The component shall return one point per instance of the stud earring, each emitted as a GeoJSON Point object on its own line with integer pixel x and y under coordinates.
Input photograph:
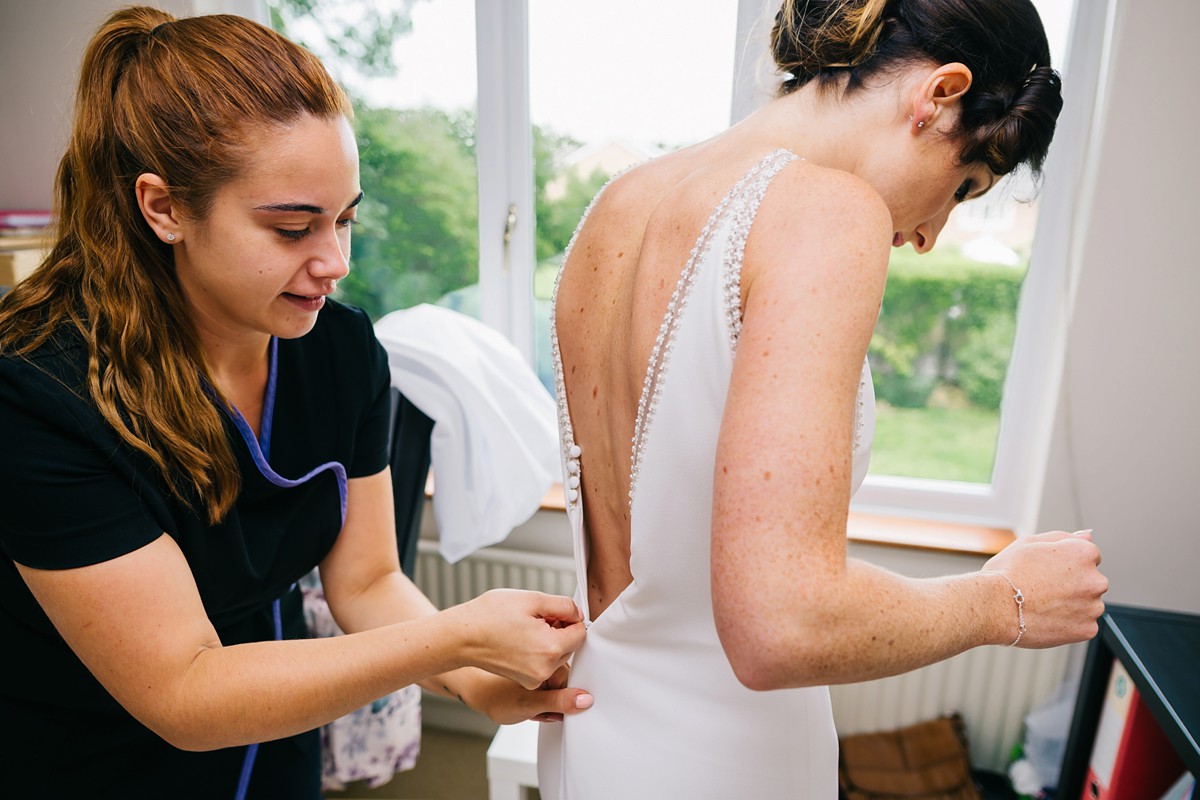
{"type": "Point", "coordinates": [170, 237]}
{"type": "Point", "coordinates": [921, 123]}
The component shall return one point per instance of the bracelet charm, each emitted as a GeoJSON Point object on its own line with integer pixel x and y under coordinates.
{"type": "Point", "coordinates": [1019, 597]}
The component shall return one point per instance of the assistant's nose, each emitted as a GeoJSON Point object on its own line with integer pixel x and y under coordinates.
{"type": "Point", "coordinates": [331, 260]}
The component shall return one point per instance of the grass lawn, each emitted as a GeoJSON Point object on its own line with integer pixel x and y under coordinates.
{"type": "Point", "coordinates": [955, 444]}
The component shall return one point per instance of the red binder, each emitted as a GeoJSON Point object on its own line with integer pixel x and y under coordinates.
{"type": "Point", "coordinates": [1131, 758]}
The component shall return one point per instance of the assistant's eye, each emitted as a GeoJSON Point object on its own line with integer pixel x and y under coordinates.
{"type": "Point", "coordinates": [964, 191]}
{"type": "Point", "coordinates": [292, 235]}
{"type": "Point", "coordinates": [348, 222]}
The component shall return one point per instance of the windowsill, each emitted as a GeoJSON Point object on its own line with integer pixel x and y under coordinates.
{"type": "Point", "coordinates": [877, 529]}
{"type": "Point", "coordinates": [918, 534]}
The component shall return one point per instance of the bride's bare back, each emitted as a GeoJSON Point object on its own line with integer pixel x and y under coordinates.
{"type": "Point", "coordinates": [612, 295]}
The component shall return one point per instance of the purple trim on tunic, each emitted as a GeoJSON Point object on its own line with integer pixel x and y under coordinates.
{"type": "Point", "coordinates": [259, 452]}
{"type": "Point", "coordinates": [268, 415]}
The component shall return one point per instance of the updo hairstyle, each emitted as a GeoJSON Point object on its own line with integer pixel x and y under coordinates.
{"type": "Point", "coordinates": [1009, 112]}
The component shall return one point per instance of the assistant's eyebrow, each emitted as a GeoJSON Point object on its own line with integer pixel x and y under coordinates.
{"type": "Point", "coordinates": [304, 208]}
{"type": "Point", "coordinates": [300, 207]}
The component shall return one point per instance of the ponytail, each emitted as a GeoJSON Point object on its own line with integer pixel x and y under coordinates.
{"type": "Point", "coordinates": [182, 99]}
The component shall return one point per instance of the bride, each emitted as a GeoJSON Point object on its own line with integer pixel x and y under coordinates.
{"type": "Point", "coordinates": [712, 318]}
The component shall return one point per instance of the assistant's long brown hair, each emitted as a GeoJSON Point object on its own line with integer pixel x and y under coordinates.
{"type": "Point", "coordinates": [184, 99]}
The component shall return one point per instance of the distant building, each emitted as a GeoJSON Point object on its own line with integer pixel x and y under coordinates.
{"type": "Point", "coordinates": [998, 227]}
{"type": "Point", "coordinates": [609, 157]}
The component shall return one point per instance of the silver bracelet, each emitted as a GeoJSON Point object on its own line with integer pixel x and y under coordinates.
{"type": "Point", "coordinates": [1020, 598]}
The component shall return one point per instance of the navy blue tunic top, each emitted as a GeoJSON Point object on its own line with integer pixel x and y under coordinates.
{"type": "Point", "coordinates": [72, 494]}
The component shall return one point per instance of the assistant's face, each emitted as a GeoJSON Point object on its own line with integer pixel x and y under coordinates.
{"type": "Point", "coordinates": [278, 237]}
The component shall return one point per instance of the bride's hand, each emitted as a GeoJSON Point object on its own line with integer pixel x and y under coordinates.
{"type": "Point", "coordinates": [1059, 576]}
{"type": "Point", "coordinates": [524, 636]}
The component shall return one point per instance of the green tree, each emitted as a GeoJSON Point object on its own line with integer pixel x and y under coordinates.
{"type": "Point", "coordinates": [549, 148]}
{"type": "Point", "coordinates": [354, 38]}
{"type": "Point", "coordinates": [418, 239]}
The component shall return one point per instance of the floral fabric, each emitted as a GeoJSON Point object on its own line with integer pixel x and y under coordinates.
{"type": "Point", "coordinates": [374, 742]}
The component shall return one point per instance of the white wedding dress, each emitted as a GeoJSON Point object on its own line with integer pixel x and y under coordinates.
{"type": "Point", "coordinates": [670, 718]}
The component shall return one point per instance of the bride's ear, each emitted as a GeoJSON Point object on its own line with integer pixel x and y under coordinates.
{"type": "Point", "coordinates": [937, 93]}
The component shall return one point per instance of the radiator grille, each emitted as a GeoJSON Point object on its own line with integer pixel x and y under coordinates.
{"type": "Point", "coordinates": [992, 687]}
{"type": "Point", "coordinates": [490, 568]}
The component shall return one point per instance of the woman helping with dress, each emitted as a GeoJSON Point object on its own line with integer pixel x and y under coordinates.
{"type": "Point", "coordinates": [712, 318]}
{"type": "Point", "coordinates": [192, 424]}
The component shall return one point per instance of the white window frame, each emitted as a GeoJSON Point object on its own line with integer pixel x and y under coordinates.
{"type": "Point", "coordinates": [504, 150]}
{"type": "Point", "coordinates": [1031, 387]}
{"type": "Point", "coordinates": [1011, 500]}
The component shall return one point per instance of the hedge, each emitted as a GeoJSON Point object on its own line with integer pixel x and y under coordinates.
{"type": "Point", "coordinates": [945, 319]}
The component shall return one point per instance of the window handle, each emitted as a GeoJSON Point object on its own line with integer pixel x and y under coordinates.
{"type": "Point", "coordinates": [510, 223]}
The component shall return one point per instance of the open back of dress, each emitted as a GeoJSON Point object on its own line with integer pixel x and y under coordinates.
{"type": "Point", "coordinates": [670, 717]}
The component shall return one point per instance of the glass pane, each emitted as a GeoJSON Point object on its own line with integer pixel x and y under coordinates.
{"type": "Point", "coordinates": [607, 90]}
{"type": "Point", "coordinates": [941, 350]}
{"type": "Point", "coordinates": [409, 66]}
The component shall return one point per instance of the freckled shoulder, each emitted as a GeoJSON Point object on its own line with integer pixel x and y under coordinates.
{"type": "Point", "coordinates": [820, 221]}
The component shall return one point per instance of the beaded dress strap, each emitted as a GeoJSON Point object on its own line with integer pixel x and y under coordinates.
{"type": "Point", "coordinates": [741, 204]}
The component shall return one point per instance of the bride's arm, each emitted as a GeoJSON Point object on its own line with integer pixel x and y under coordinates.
{"type": "Point", "coordinates": [791, 608]}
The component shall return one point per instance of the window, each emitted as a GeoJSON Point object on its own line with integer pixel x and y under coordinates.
{"type": "Point", "coordinates": [965, 356]}
{"type": "Point", "coordinates": [486, 127]}
{"type": "Point", "coordinates": [414, 99]}
{"type": "Point", "coordinates": [496, 121]}
{"type": "Point", "coordinates": [609, 90]}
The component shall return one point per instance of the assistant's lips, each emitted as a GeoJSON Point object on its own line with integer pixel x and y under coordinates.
{"type": "Point", "coordinates": [307, 302]}
{"type": "Point", "coordinates": [898, 240]}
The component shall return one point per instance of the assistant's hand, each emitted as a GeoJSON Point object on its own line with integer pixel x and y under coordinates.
{"type": "Point", "coordinates": [505, 702]}
{"type": "Point", "coordinates": [1058, 574]}
{"type": "Point", "coordinates": [524, 636]}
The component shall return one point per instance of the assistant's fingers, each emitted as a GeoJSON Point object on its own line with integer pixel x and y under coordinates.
{"type": "Point", "coordinates": [555, 703]}
{"type": "Point", "coordinates": [571, 637]}
{"type": "Point", "coordinates": [555, 608]}
{"type": "Point", "coordinates": [559, 679]}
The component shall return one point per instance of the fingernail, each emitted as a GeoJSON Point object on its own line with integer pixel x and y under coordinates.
{"type": "Point", "coordinates": [1077, 533]}
{"type": "Point", "coordinates": [584, 700]}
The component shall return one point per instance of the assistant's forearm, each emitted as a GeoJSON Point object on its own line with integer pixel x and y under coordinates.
{"type": "Point", "coordinates": [393, 598]}
{"type": "Point", "coordinates": [267, 690]}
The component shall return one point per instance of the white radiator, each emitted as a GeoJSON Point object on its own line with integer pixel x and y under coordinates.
{"type": "Point", "coordinates": [993, 688]}
{"type": "Point", "coordinates": [490, 568]}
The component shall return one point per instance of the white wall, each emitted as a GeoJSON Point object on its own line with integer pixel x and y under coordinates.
{"type": "Point", "coordinates": [41, 44]}
{"type": "Point", "coordinates": [1124, 456]}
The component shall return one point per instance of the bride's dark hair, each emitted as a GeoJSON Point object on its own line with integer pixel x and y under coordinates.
{"type": "Point", "coordinates": [1008, 114]}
